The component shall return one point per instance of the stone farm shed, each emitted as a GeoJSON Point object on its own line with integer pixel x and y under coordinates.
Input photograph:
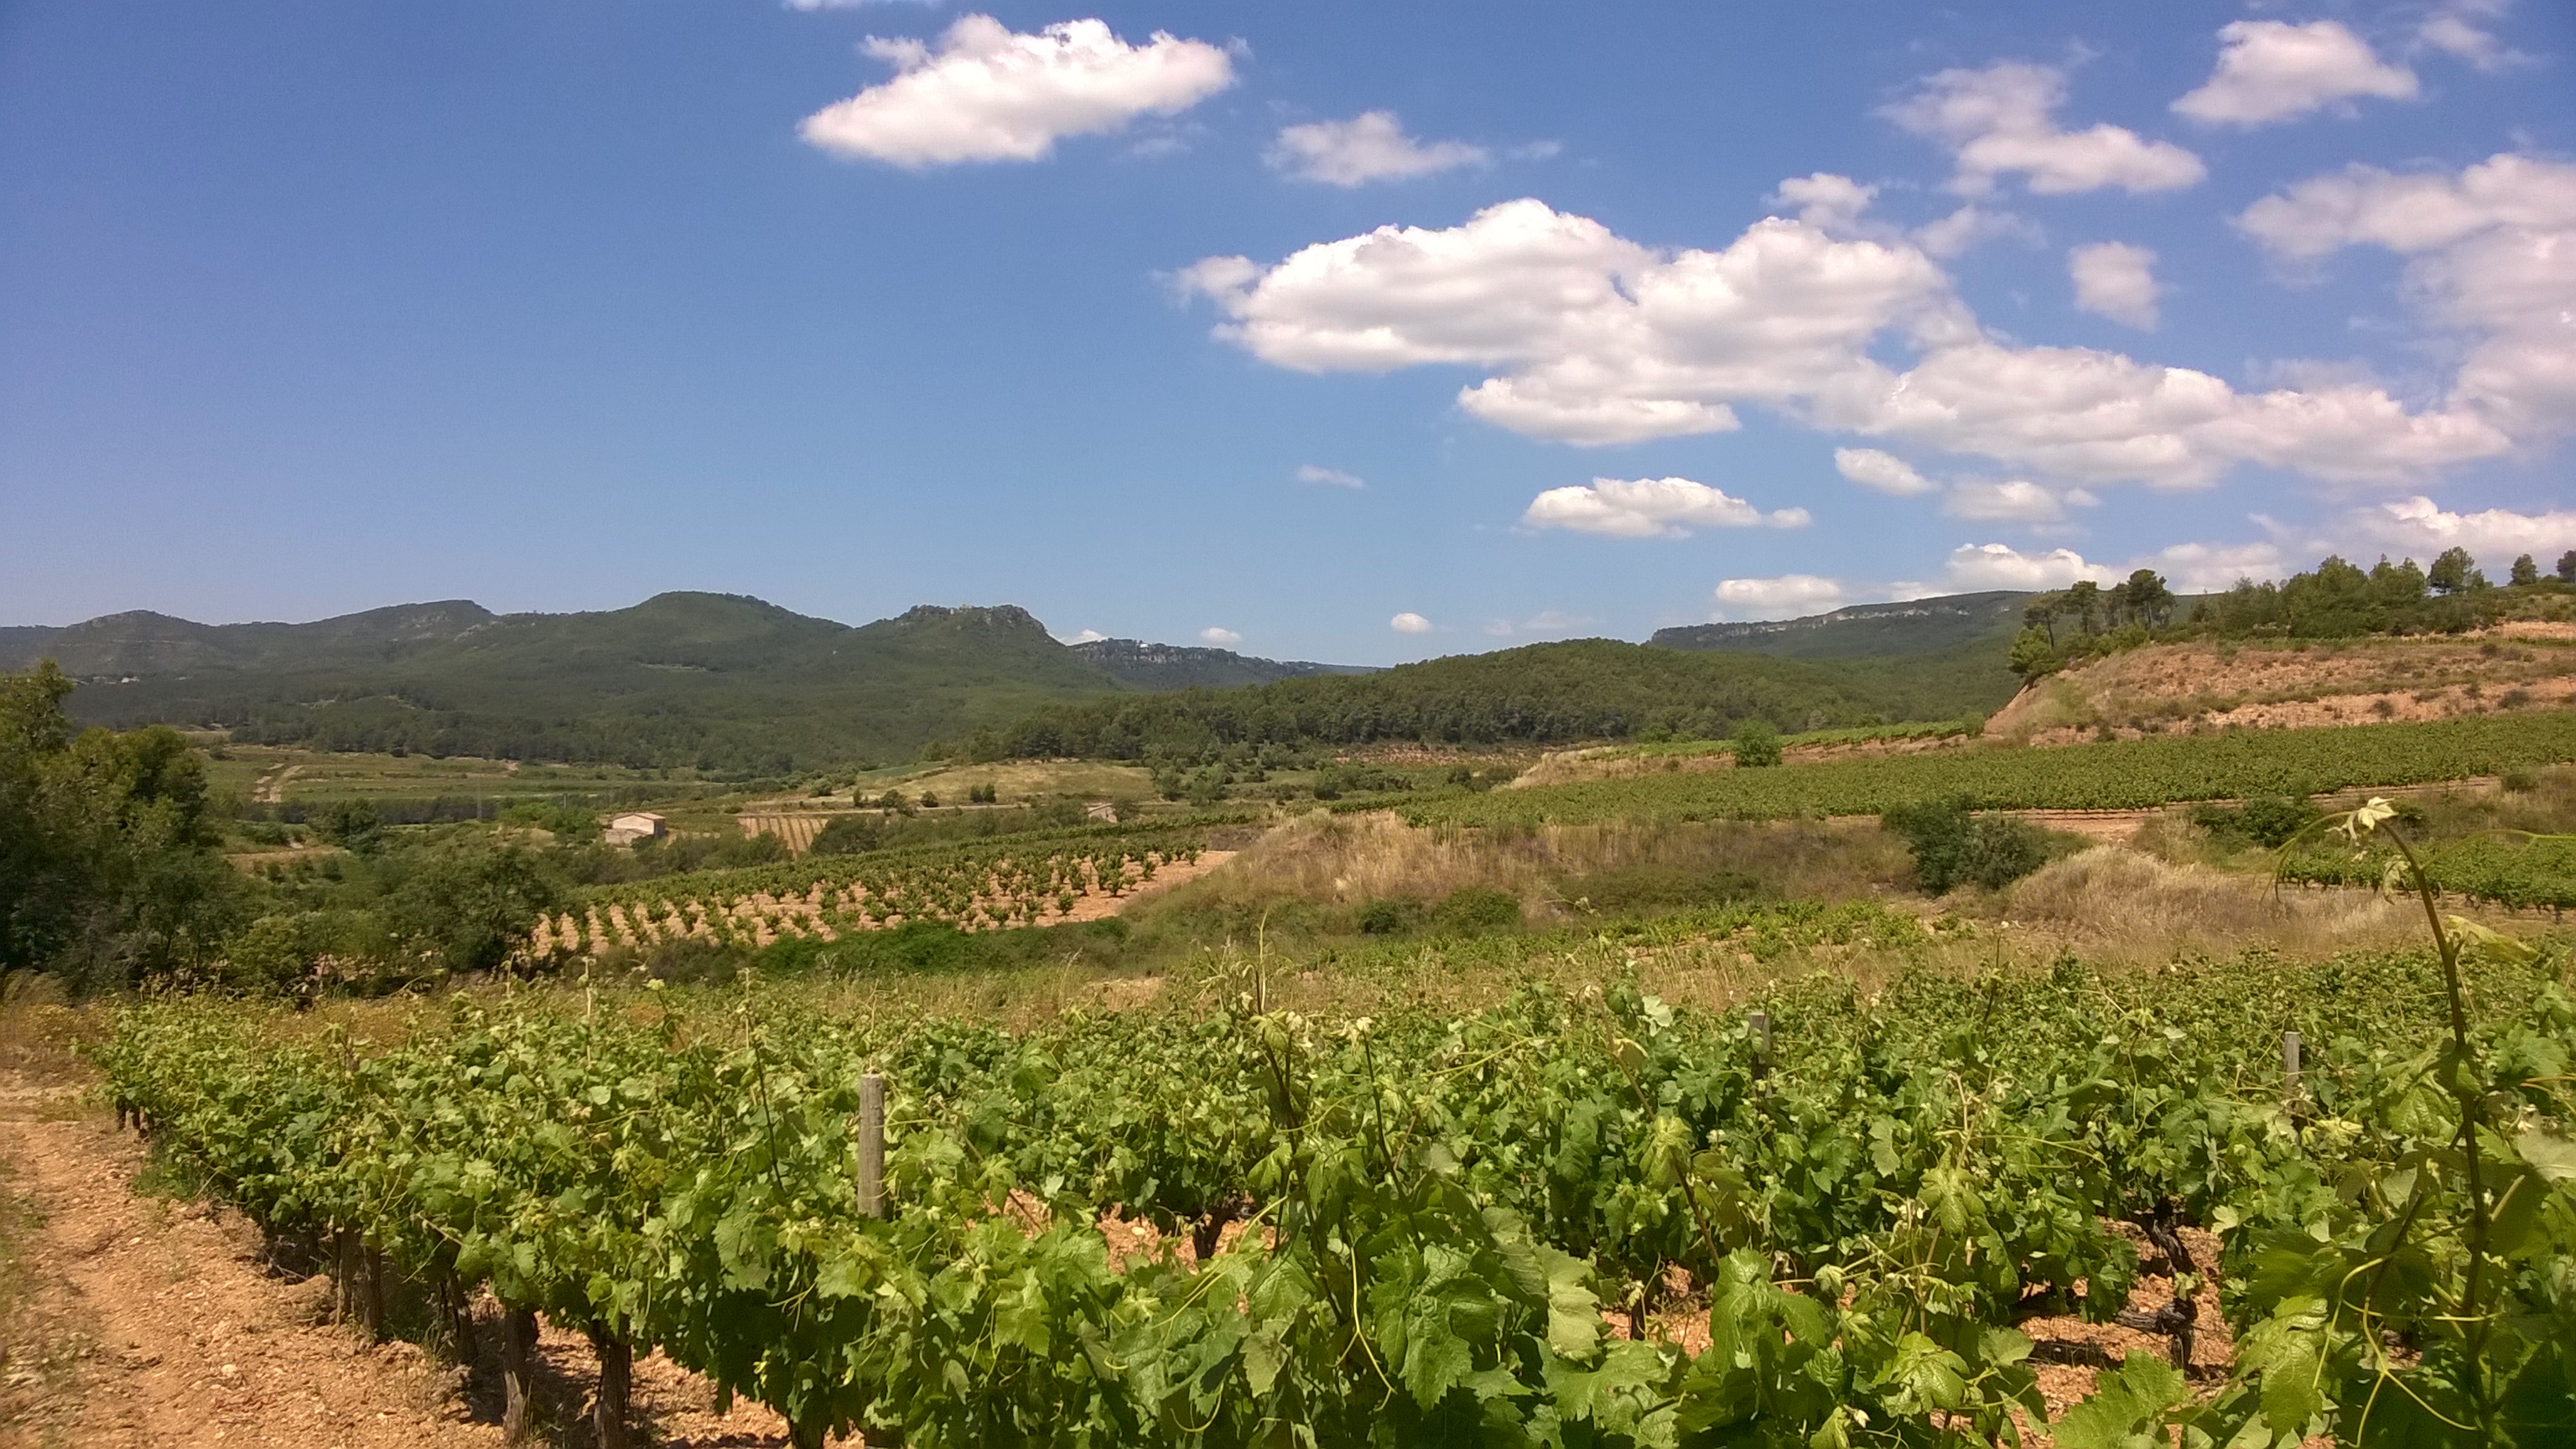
{"type": "Point", "coordinates": [632, 826]}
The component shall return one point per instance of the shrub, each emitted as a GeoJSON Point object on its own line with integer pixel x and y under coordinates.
{"type": "Point", "coordinates": [1955, 846]}
{"type": "Point", "coordinates": [1757, 745]}
{"type": "Point", "coordinates": [2520, 782]}
{"type": "Point", "coordinates": [354, 824]}
{"type": "Point", "coordinates": [1389, 916]}
{"type": "Point", "coordinates": [2266, 820]}
{"type": "Point", "coordinates": [1477, 908]}
{"type": "Point", "coordinates": [849, 835]}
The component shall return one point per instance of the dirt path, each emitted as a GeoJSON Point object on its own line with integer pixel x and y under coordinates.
{"type": "Point", "coordinates": [137, 1322]}
{"type": "Point", "coordinates": [271, 790]}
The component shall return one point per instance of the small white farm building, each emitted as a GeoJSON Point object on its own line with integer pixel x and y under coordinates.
{"type": "Point", "coordinates": [632, 826]}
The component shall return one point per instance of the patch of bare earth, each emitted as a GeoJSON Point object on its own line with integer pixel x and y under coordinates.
{"type": "Point", "coordinates": [2195, 688]}
{"type": "Point", "coordinates": [143, 1323]}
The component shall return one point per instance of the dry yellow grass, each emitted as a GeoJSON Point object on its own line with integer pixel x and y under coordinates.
{"type": "Point", "coordinates": [2121, 907]}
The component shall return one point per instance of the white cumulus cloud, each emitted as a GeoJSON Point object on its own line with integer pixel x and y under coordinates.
{"type": "Point", "coordinates": [1825, 201]}
{"type": "Point", "coordinates": [2492, 256]}
{"type": "Point", "coordinates": [2002, 121]}
{"type": "Point", "coordinates": [1886, 472]}
{"type": "Point", "coordinates": [1409, 622]}
{"type": "Point", "coordinates": [1586, 337]}
{"type": "Point", "coordinates": [2016, 501]}
{"type": "Point", "coordinates": [1087, 636]}
{"type": "Point", "coordinates": [1977, 567]}
{"type": "Point", "coordinates": [1368, 147]}
{"type": "Point", "coordinates": [2270, 70]}
{"type": "Point", "coordinates": [1219, 636]}
{"type": "Point", "coordinates": [1650, 508]}
{"type": "Point", "coordinates": [1329, 477]}
{"type": "Point", "coordinates": [987, 93]}
{"type": "Point", "coordinates": [2421, 528]}
{"type": "Point", "coordinates": [1787, 596]}
{"type": "Point", "coordinates": [2115, 280]}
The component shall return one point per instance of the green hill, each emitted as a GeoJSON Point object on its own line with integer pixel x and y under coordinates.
{"type": "Point", "coordinates": [1938, 658]}
{"type": "Point", "coordinates": [1912, 628]}
{"type": "Point", "coordinates": [711, 681]}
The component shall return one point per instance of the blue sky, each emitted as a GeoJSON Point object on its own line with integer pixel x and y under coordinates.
{"type": "Point", "coordinates": [307, 308]}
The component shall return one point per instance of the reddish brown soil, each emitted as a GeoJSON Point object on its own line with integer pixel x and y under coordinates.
{"type": "Point", "coordinates": [144, 1323]}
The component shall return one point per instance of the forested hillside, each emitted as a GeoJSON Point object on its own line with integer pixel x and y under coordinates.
{"type": "Point", "coordinates": [1582, 689]}
{"type": "Point", "coordinates": [1140, 665]}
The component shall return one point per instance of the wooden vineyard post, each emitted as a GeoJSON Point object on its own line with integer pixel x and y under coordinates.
{"type": "Point", "coordinates": [871, 1142]}
{"type": "Point", "coordinates": [2290, 1071]}
{"type": "Point", "coordinates": [1761, 1024]}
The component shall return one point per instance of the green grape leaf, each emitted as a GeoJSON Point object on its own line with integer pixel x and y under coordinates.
{"type": "Point", "coordinates": [2127, 1409]}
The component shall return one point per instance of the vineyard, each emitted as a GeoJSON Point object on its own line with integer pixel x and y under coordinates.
{"type": "Point", "coordinates": [2494, 868]}
{"type": "Point", "coordinates": [1022, 883]}
{"type": "Point", "coordinates": [2125, 774]}
{"type": "Point", "coordinates": [1488, 1228]}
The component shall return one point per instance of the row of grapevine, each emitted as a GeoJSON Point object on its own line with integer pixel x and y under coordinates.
{"type": "Point", "coordinates": [973, 888]}
{"type": "Point", "coordinates": [2125, 774]}
{"type": "Point", "coordinates": [1442, 1209]}
{"type": "Point", "coordinates": [2497, 869]}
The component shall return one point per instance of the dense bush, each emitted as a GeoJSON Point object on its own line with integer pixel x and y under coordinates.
{"type": "Point", "coordinates": [1956, 846]}
{"type": "Point", "coordinates": [1477, 908]}
{"type": "Point", "coordinates": [1757, 746]}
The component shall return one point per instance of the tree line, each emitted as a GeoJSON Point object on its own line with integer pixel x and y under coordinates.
{"type": "Point", "coordinates": [1540, 694]}
{"type": "Point", "coordinates": [2337, 599]}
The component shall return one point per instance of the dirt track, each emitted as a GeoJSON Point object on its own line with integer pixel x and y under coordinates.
{"type": "Point", "coordinates": [144, 1323]}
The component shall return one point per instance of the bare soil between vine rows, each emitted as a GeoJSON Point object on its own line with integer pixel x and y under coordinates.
{"type": "Point", "coordinates": [145, 1323]}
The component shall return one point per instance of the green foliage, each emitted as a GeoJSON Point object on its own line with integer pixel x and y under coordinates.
{"type": "Point", "coordinates": [1757, 746]}
{"type": "Point", "coordinates": [1470, 909]}
{"type": "Point", "coordinates": [1387, 916]}
{"type": "Point", "coordinates": [1446, 1203]}
{"type": "Point", "coordinates": [2525, 571]}
{"type": "Point", "coordinates": [355, 825]}
{"type": "Point", "coordinates": [107, 871]}
{"type": "Point", "coordinates": [2034, 656]}
{"type": "Point", "coordinates": [467, 904]}
{"type": "Point", "coordinates": [2340, 600]}
{"type": "Point", "coordinates": [1956, 846]}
